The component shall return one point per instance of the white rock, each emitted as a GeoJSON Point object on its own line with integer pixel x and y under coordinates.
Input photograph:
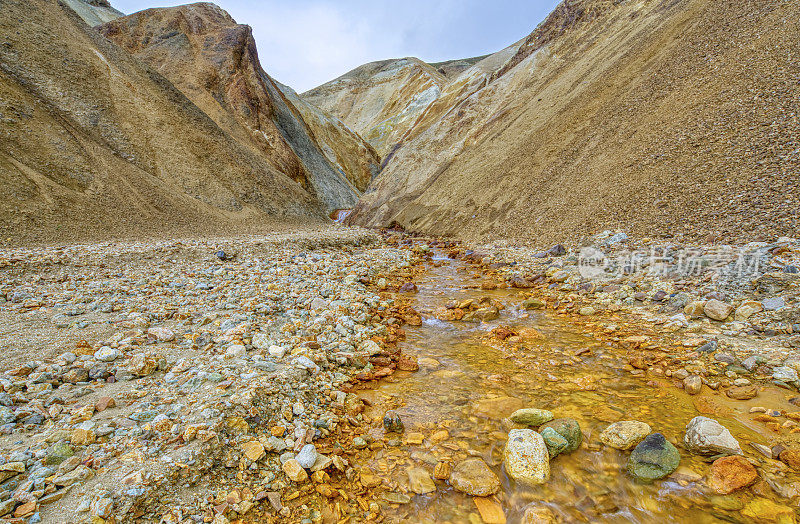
{"type": "Point", "coordinates": [526, 458]}
{"type": "Point", "coordinates": [261, 341]}
{"type": "Point", "coordinates": [277, 351]}
{"type": "Point", "coordinates": [106, 354]}
{"type": "Point", "coordinates": [708, 437]}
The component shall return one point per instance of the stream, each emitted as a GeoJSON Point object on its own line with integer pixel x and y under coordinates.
{"type": "Point", "coordinates": [468, 383]}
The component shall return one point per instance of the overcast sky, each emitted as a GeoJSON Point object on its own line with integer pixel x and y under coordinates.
{"type": "Point", "coordinates": [304, 43]}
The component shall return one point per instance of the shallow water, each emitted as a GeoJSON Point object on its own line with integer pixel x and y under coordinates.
{"type": "Point", "coordinates": [460, 366]}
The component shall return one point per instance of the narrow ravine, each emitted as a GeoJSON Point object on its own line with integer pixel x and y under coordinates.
{"type": "Point", "coordinates": [469, 381]}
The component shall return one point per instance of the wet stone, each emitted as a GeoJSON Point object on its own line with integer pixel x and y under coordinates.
{"type": "Point", "coordinates": [567, 428]}
{"type": "Point", "coordinates": [653, 458]}
{"type": "Point", "coordinates": [473, 477]}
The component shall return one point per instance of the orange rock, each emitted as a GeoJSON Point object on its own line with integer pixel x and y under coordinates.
{"type": "Point", "coordinates": [103, 403]}
{"type": "Point", "coordinates": [791, 457]}
{"type": "Point", "coordinates": [729, 474]}
{"type": "Point", "coordinates": [491, 512]}
{"type": "Point", "coordinates": [407, 363]}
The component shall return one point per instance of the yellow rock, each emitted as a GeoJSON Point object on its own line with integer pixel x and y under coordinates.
{"type": "Point", "coordinates": [253, 450]}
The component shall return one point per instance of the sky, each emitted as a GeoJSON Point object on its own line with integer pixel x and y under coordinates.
{"type": "Point", "coordinates": [305, 43]}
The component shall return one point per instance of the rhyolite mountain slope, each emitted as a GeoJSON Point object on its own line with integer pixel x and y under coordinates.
{"type": "Point", "coordinates": [94, 12]}
{"type": "Point", "coordinates": [667, 118]}
{"type": "Point", "coordinates": [213, 61]}
{"type": "Point", "coordinates": [95, 145]}
{"type": "Point", "coordinates": [380, 100]}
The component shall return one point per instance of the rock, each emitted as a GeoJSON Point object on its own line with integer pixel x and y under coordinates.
{"type": "Point", "coordinates": [407, 363]}
{"type": "Point", "coordinates": [717, 310]}
{"type": "Point", "coordinates": [790, 457]}
{"type": "Point", "coordinates": [102, 507]}
{"type": "Point", "coordinates": [392, 422]}
{"type": "Point", "coordinates": [539, 515]}
{"type": "Point", "coordinates": [555, 443]}
{"type": "Point", "coordinates": [731, 473]}
{"type": "Point", "coordinates": [747, 310]}
{"type": "Point", "coordinates": [162, 334]}
{"type": "Point", "coordinates": [773, 303]}
{"type": "Point", "coordinates": [586, 311]}
{"type": "Point", "coordinates": [294, 471]}
{"type": "Point", "coordinates": [106, 354]}
{"type": "Point", "coordinates": [69, 478]}
{"type": "Point", "coordinates": [82, 437]}
{"type": "Point", "coordinates": [142, 365]}
{"type": "Point", "coordinates": [653, 458]}
{"type": "Point", "coordinates": [525, 457]}
{"type": "Point", "coordinates": [307, 456]}
{"type": "Point", "coordinates": [473, 477]}
{"type": "Point", "coordinates": [784, 374]}
{"type": "Point", "coordinates": [764, 510]}
{"type": "Point", "coordinates": [791, 269]}
{"type": "Point", "coordinates": [694, 309]}
{"type": "Point", "coordinates": [692, 385]}
{"type": "Point", "coordinates": [75, 375]}
{"type": "Point", "coordinates": [497, 407]}
{"type": "Point", "coordinates": [567, 428]}
{"type": "Point", "coordinates": [531, 416]}
{"type": "Point", "coordinates": [533, 303]}
{"type": "Point", "coordinates": [420, 481]}
{"type": "Point", "coordinates": [7, 506]}
{"type": "Point", "coordinates": [491, 512]}
{"type": "Point", "coordinates": [708, 437]}
{"type": "Point", "coordinates": [625, 434]}
{"type": "Point", "coordinates": [104, 403]}
{"type": "Point", "coordinates": [58, 453]}
{"type": "Point", "coordinates": [262, 341]}
{"type": "Point", "coordinates": [442, 470]}
{"type": "Point", "coordinates": [253, 450]}
{"type": "Point", "coordinates": [276, 351]}
{"type": "Point", "coordinates": [742, 392]}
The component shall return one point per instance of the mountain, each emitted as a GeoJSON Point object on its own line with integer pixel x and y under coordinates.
{"type": "Point", "coordinates": [93, 144]}
{"type": "Point", "coordinates": [213, 60]}
{"type": "Point", "coordinates": [94, 12]}
{"type": "Point", "coordinates": [667, 118]}
{"type": "Point", "coordinates": [380, 100]}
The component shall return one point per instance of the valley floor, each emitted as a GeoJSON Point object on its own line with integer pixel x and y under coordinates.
{"type": "Point", "coordinates": [249, 378]}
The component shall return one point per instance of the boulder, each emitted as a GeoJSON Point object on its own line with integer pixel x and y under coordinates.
{"type": "Point", "coordinates": [653, 458]}
{"type": "Point", "coordinates": [717, 310]}
{"type": "Point", "coordinates": [531, 416]}
{"type": "Point", "coordinates": [731, 473]}
{"type": "Point", "coordinates": [473, 477]}
{"type": "Point", "coordinates": [569, 429]}
{"type": "Point", "coordinates": [706, 436]}
{"type": "Point", "coordinates": [526, 457]}
{"type": "Point", "coordinates": [625, 434]}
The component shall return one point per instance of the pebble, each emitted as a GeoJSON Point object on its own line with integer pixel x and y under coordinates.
{"type": "Point", "coordinates": [307, 456]}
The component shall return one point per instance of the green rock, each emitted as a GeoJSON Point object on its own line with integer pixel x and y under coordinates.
{"type": "Point", "coordinates": [567, 428]}
{"type": "Point", "coordinates": [533, 303]}
{"type": "Point", "coordinates": [653, 458]}
{"type": "Point", "coordinates": [531, 416]}
{"type": "Point", "coordinates": [555, 443]}
{"type": "Point", "coordinates": [58, 453]}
